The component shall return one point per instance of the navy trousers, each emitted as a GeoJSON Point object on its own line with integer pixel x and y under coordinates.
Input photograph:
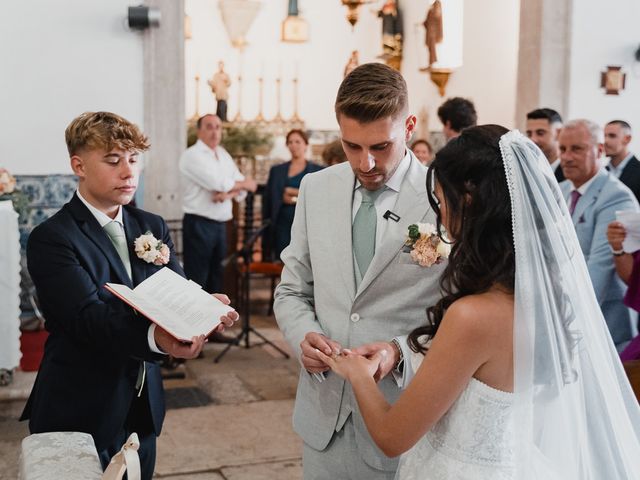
{"type": "Point", "coordinates": [146, 452]}
{"type": "Point", "coordinates": [205, 246]}
{"type": "Point", "coordinates": [138, 421]}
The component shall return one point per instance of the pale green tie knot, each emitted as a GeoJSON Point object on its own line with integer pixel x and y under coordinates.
{"type": "Point", "coordinates": [369, 196]}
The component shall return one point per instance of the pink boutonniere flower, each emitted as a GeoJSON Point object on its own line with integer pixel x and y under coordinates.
{"type": "Point", "coordinates": [425, 246]}
{"type": "Point", "coordinates": [151, 250]}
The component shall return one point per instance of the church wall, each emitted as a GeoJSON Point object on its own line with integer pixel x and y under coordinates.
{"type": "Point", "coordinates": [60, 59]}
{"type": "Point", "coordinates": [488, 74]}
{"type": "Point", "coordinates": [611, 41]}
{"type": "Point", "coordinates": [489, 70]}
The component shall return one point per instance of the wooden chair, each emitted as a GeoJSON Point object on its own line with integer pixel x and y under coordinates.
{"type": "Point", "coordinates": [271, 270]}
{"type": "Point", "coordinates": [632, 368]}
{"type": "Point", "coordinates": [250, 222]}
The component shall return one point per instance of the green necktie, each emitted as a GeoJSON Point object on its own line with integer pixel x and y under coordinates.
{"type": "Point", "coordinates": [119, 240]}
{"type": "Point", "coordinates": [117, 237]}
{"type": "Point", "coordinates": [364, 229]}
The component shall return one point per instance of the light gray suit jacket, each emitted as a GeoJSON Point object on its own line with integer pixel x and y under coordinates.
{"type": "Point", "coordinates": [318, 294]}
{"type": "Point", "coordinates": [593, 213]}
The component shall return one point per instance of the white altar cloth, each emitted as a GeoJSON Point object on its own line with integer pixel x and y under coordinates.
{"type": "Point", "coordinates": [9, 287]}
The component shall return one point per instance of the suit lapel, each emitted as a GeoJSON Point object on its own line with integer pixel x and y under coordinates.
{"type": "Point", "coordinates": [133, 230]}
{"type": "Point", "coordinates": [411, 207]}
{"type": "Point", "coordinates": [340, 211]}
{"type": "Point", "coordinates": [589, 197]}
{"type": "Point", "coordinates": [630, 171]}
{"type": "Point", "coordinates": [94, 232]}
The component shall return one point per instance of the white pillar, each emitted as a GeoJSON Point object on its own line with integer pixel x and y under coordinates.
{"type": "Point", "coordinates": [164, 109]}
{"type": "Point", "coordinates": [543, 59]}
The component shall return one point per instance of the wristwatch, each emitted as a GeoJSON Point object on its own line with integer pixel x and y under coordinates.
{"type": "Point", "coordinates": [617, 253]}
{"type": "Point", "coordinates": [400, 355]}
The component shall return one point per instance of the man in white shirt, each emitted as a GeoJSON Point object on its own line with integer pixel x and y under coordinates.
{"type": "Point", "coordinates": [543, 127]}
{"type": "Point", "coordinates": [622, 163]}
{"type": "Point", "coordinates": [594, 196]}
{"type": "Point", "coordinates": [210, 180]}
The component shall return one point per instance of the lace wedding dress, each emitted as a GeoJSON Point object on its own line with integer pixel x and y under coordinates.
{"type": "Point", "coordinates": [472, 441]}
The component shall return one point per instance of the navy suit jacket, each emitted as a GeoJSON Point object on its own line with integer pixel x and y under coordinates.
{"type": "Point", "coordinates": [86, 381]}
{"type": "Point", "coordinates": [272, 200]}
{"type": "Point", "coordinates": [630, 176]}
{"type": "Point", "coordinates": [593, 213]}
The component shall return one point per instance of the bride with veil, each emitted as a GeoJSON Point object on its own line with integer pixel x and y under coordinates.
{"type": "Point", "coordinates": [516, 374]}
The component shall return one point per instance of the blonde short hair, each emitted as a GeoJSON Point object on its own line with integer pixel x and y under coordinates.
{"type": "Point", "coordinates": [105, 131]}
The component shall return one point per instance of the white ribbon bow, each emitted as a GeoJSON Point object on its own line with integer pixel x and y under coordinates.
{"type": "Point", "coordinates": [126, 460]}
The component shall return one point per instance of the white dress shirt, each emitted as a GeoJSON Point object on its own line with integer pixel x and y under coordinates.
{"type": "Point", "coordinates": [103, 219]}
{"type": "Point", "coordinates": [617, 171]}
{"type": "Point", "coordinates": [387, 199]}
{"type": "Point", "coordinates": [204, 171]}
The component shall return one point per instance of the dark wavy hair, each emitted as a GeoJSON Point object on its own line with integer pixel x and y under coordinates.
{"type": "Point", "coordinates": [470, 172]}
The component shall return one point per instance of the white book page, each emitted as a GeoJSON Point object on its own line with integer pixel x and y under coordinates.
{"type": "Point", "coordinates": [179, 306]}
{"type": "Point", "coordinates": [631, 222]}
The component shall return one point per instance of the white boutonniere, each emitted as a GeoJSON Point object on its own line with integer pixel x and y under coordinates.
{"type": "Point", "coordinates": [151, 250]}
{"type": "Point", "coordinates": [425, 246]}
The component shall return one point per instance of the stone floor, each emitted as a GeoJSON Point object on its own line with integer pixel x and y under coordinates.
{"type": "Point", "coordinates": [227, 420]}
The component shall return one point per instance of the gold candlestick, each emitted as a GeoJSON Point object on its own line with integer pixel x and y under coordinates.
{"type": "Point", "coordinates": [278, 117]}
{"type": "Point", "coordinates": [295, 117]}
{"type": "Point", "coordinates": [260, 117]}
{"type": "Point", "coordinates": [196, 113]}
{"type": "Point", "coordinates": [238, 117]}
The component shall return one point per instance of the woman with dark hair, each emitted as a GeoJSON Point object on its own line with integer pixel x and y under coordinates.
{"type": "Point", "coordinates": [281, 195]}
{"type": "Point", "coordinates": [516, 376]}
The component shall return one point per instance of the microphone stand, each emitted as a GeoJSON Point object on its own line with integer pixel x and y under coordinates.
{"type": "Point", "coordinates": [246, 252]}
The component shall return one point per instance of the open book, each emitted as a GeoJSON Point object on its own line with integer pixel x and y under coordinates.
{"type": "Point", "coordinates": [176, 304]}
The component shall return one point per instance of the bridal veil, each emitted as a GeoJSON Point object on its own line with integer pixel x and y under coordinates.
{"type": "Point", "coordinates": [576, 416]}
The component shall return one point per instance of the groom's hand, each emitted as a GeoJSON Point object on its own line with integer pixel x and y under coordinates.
{"type": "Point", "coordinates": [316, 341]}
{"type": "Point", "coordinates": [387, 360]}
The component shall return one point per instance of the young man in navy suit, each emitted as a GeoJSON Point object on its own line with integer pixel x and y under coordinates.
{"type": "Point", "coordinates": [622, 163]}
{"type": "Point", "coordinates": [98, 373]}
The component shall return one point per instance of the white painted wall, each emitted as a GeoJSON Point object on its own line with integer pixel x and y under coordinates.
{"type": "Point", "coordinates": [613, 42]}
{"type": "Point", "coordinates": [59, 59]}
{"type": "Point", "coordinates": [490, 63]}
{"type": "Point", "coordinates": [488, 75]}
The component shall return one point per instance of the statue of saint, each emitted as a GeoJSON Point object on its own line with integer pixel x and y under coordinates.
{"type": "Point", "coordinates": [352, 63]}
{"type": "Point", "coordinates": [220, 87]}
{"type": "Point", "coordinates": [392, 32]}
{"type": "Point", "coordinates": [434, 35]}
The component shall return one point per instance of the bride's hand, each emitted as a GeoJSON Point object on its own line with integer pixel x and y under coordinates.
{"type": "Point", "coordinates": [350, 366]}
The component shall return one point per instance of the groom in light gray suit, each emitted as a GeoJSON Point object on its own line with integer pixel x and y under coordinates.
{"type": "Point", "coordinates": [347, 283]}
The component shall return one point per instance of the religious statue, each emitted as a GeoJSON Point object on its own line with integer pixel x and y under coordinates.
{"type": "Point", "coordinates": [392, 32]}
{"type": "Point", "coordinates": [352, 63]}
{"type": "Point", "coordinates": [220, 87]}
{"type": "Point", "coordinates": [434, 35]}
